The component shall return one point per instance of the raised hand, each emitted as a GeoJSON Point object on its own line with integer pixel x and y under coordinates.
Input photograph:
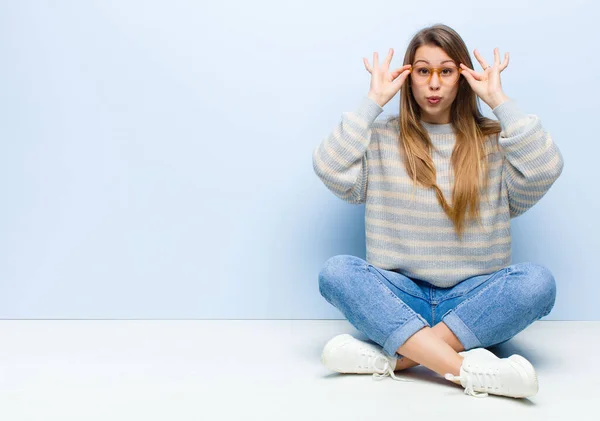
{"type": "Point", "coordinates": [385, 84]}
{"type": "Point", "coordinates": [487, 84]}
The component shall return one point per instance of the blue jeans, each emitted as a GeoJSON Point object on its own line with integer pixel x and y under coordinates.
{"type": "Point", "coordinates": [481, 311]}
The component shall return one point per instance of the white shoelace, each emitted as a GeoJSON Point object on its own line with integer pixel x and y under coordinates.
{"type": "Point", "coordinates": [387, 370]}
{"type": "Point", "coordinates": [484, 378]}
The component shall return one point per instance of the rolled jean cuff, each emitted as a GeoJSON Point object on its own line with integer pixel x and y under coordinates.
{"type": "Point", "coordinates": [401, 335]}
{"type": "Point", "coordinates": [465, 335]}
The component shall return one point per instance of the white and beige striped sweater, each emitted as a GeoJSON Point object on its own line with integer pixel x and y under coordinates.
{"type": "Point", "coordinates": [406, 229]}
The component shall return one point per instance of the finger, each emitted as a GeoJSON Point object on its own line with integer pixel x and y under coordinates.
{"type": "Point", "coordinates": [473, 73]}
{"type": "Point", "coordinates": [480, 59]}
{"type": "Point", "coordinates": [375, 60]}
{"type": "Point", "coordinates": [367, 66]}
{"type": "Point", "coordinates": [467, 75]}
{"type": "Point", "coordinates": [505, 62]}
{"type": "Point", "coordinates": [400, 79]}
{"type": "Point", "coordinates": [388, 59]}
{"type": "Point", "coordinates": [399, 70]}
{"type": "Point", "coordinates": [496, 57]}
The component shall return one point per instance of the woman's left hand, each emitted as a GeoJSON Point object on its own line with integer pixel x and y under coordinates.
{"type": "Point", "coordinates": [487, 84]}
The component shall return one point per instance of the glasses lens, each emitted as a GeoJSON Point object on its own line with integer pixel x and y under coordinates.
{"type": "Point", "coordinates": [420, 74]}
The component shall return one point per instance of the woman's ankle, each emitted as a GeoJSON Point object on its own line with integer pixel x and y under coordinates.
{"type": "Point", "coordinates": [403, 363]}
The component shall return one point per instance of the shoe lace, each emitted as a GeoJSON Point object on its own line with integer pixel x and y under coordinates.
{"type": "Point", "coordinates": [387, 369]}
{"type": "Point", "coordinates": [481, 377]}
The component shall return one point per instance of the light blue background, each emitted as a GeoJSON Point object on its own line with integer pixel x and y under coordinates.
{"type": "Point", "coordinates": [156, 162]}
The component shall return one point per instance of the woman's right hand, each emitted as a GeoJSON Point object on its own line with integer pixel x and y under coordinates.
{"type": "Point", "coordinates": [385, 84]}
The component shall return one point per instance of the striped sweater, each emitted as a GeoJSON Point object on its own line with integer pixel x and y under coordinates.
{"type": "Point", "coordinates": [407, 230]}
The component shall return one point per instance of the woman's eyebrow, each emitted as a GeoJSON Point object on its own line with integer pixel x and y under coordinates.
{"type": "Point", "coordinates": [445, 61]}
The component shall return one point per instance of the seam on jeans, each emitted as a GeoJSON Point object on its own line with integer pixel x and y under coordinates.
{"type": "Point", "coordinates": [492, 283]}
{"type": "Point", "coordinates": [449, 297]}
{"type": "Point", "coordinates": [388, 279]}
{"type": "Point", "coordinates": [389, 290]}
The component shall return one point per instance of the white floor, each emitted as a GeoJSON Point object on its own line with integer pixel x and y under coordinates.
{"type": "Point", "coordinates": [263, 370]}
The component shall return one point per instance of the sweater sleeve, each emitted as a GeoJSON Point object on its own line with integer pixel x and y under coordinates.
{"type": "Point", "coordinates": [532, 161]}
{"type": "Point", "coordinates": [340, 160]}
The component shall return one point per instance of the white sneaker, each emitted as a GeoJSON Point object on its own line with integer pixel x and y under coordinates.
{"type": "Point", "coordinates": [482, 373]}
{"type": "Point", "coordinates": [346, 354]}
{"type": "Point", "coordinates": [482, 352]}
{"type": "Point", "coordinates": [478, 351]}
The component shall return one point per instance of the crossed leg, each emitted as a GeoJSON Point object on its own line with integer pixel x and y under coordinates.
{"type": "Point", "coordinates": [423, 340]}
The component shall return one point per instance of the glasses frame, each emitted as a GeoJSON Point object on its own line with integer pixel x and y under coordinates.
{"type": "Point", "coordinates": [433, 70]}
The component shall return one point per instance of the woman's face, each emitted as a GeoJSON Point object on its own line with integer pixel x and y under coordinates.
{"type": "Point", "coordinates": [426, 83]}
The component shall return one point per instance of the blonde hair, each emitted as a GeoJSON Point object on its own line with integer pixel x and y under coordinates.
{"type": "Point", "coordinates": [468, 158]}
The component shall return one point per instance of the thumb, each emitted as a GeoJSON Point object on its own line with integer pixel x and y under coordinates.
{"type": "Point", "coordinates": [468, 76]}
{"type": "Point", "coordinates": [399, 71]}
{"type": "Point", "coordinates": [399, 80]}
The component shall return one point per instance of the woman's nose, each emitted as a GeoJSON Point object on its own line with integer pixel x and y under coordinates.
{"type": "Point", "coordinates": [435, 80]}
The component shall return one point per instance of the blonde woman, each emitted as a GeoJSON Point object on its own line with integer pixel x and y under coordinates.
{"type": "Point", "coordinates": [440, 183]}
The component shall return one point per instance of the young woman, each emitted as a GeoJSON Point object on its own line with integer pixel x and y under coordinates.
{"type": "Point", "coordinates": [440, 183]}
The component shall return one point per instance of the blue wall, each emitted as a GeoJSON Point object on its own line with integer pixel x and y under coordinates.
{"type": "Point", "coordinates": [155, 157]}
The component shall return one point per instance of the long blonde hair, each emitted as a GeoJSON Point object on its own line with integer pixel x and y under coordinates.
{"type": "Point", "coordinates": [471, 127]}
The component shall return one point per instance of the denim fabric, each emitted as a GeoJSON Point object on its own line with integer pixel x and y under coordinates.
{"type": "Point", "coordinates": [481, 311]}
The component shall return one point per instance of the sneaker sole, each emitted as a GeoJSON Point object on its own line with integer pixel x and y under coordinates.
{"type": "Point", "coordinates": [529, 371]}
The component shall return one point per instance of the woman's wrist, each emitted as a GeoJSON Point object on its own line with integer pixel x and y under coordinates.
{"type": "Point", "coordinates": [496, 99]}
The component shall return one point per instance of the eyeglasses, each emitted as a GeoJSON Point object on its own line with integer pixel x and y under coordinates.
{"type": "Point", "coordinates": [421, 74]}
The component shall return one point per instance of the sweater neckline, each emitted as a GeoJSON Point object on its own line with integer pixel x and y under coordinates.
{"type": "Point", "coordinates": [438, 128]}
